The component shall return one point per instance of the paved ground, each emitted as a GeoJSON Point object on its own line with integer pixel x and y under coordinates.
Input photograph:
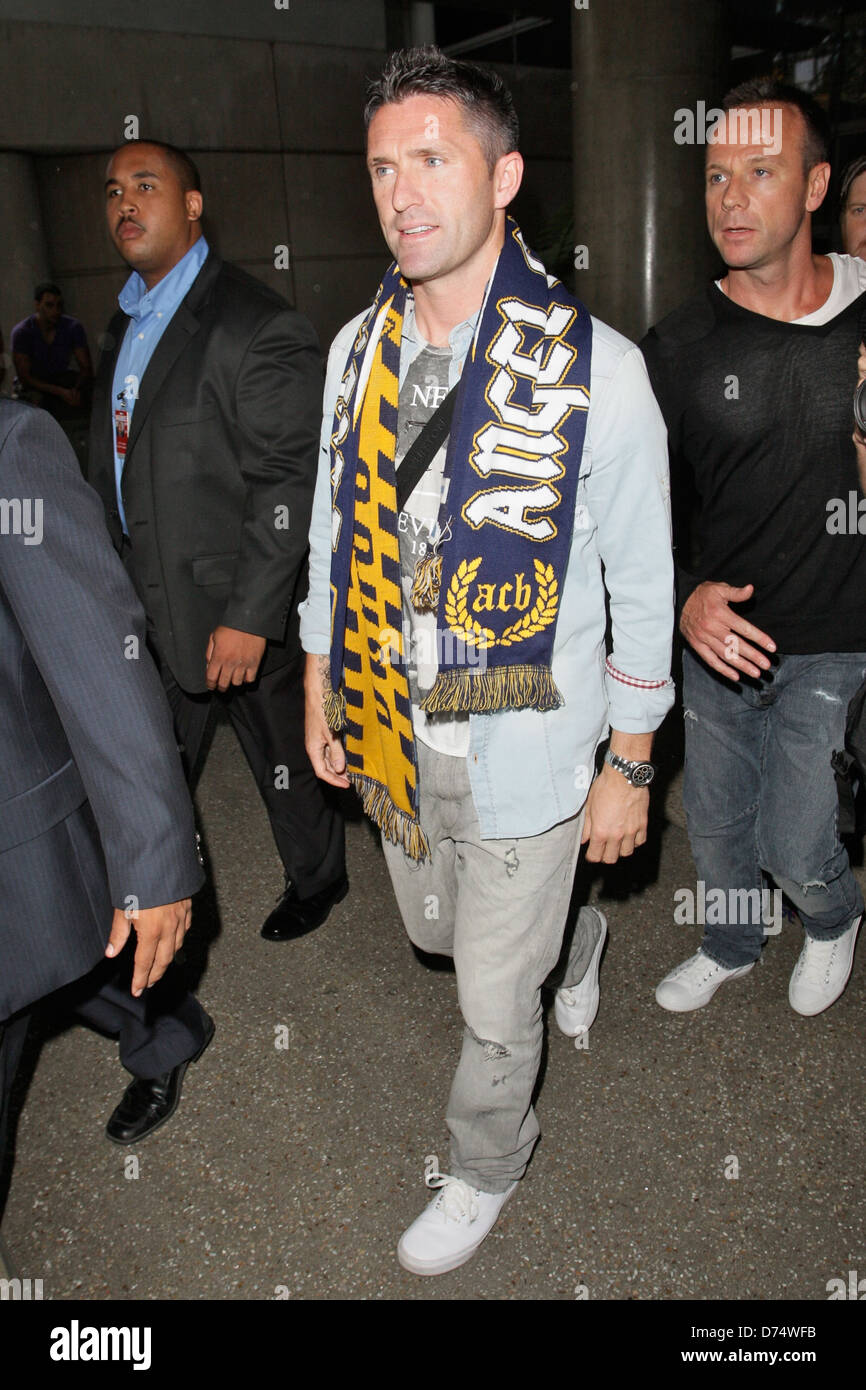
{"type": "Point", "coordinates": [293, 1169]}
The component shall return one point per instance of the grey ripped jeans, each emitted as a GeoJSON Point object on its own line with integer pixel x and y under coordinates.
{"type": "Point", "coordinates": [499, 908]}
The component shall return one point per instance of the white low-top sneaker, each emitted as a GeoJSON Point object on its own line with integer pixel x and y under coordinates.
{"type": "Point", "coordinates": [575, 1008]}
{"type": "Point", "coordinates": [822, 971]}
{"type": "Point", "coordinates": [693, 983]}
{"type": "Point", "coordinates": [451, 1228]}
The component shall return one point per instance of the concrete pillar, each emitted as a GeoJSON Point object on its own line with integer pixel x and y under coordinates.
{"type": "Point", "coordinates": [23, 251]}
{"type": "Point", "coordinates": [639, 209]}
{"type": "Point", "coordinates": [422, 21]}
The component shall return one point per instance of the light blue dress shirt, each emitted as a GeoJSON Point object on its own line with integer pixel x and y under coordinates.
{"type": "Point", "coordinates": [150, 312]}
{"type": "Point", "coordinates": [530, 770]}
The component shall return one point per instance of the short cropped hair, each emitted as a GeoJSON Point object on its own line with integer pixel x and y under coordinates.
{"type": "Point", "coordinates": [766, 91]}
{"type": "Point", "coordinates": [851, 172]}
{"type": "Point", "coordinates": [46, 287]}
{"type": "Point", "coordinates": [178, 160]}
{"type": "Point", "coordinates": [486, 102]}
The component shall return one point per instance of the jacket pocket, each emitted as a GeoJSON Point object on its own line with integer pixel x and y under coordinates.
{"type": "Point", "coordinates": [39, 808]}
{"type": "Point", "coordinates": [214, 569]}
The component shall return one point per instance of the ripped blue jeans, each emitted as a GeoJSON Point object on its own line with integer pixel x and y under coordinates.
{"type": "Point", "coordinates": [760, 795]}
{"type": "Point", "coordinates": [498, 907]}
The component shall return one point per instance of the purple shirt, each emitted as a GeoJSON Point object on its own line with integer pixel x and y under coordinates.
{"type": "Point", "coordinates": [48, 360]}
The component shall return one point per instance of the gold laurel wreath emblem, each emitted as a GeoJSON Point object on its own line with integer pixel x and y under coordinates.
{"type": "Point", "coordinates": [543, 611]}
{"type": "Point", "coordinates": [463, 625]}
{"type": "Point", "coordinates": [457, 615]}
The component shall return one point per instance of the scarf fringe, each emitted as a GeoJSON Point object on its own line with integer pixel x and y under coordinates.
{"type": "Point", "coordinates": [497, 688]}
{"type": "Point", "coordinates": [424, 596]}
{"type": "Point", "coordinates": [396, 825]}
{"type": "Point", "coordinates": [334, 707]}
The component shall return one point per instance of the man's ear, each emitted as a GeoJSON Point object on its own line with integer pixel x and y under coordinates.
{"type": "Point", "coordinates": [507, 178]}
{"type": "Point", "coordinates": [194, 204]}
{"type": "Point", "coordinates": [818, 183]}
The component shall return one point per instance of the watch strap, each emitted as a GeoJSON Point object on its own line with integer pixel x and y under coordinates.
{"type": "Point", "coordinates": [628, 768]}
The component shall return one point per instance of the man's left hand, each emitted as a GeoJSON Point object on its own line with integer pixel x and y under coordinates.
{"type": "Point", "coordinates": [159, 936]}
{"type": "Point", "coordinates": [232, 657]}
{"type": "Point", "coordinates": [616, 816]}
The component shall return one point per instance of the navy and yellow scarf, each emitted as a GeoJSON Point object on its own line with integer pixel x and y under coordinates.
{"type": "Point", "coordinates": [513, 460]}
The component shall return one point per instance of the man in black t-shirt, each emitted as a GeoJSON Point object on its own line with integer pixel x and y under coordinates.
{"type": "Point", "coordinates": [755, 378]}
{"type": "Point", "coordinates": [44, 348]}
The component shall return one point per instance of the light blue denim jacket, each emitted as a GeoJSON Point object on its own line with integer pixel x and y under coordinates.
{"type": "Point", "coordinates": [529, 770]}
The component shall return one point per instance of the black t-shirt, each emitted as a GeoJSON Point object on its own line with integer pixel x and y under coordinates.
{"type": "Point", "coordinates": [759, 416]}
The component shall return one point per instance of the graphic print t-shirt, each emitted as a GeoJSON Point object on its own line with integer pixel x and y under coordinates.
{"type": "Point", "coordinates": [424, 388]}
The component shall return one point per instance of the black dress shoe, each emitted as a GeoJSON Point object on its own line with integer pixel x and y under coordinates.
{"type": "Point", "coordinates": [293, 916]}
{"type": "Point", "coordinates": [148, 1102]}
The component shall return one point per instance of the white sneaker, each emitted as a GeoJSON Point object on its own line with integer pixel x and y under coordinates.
{"type": "Point", "coordinates": [451, 1228]}
{"type": "Point", "coordinates": [575, 1008]}
{"type": "Point", "coordinates": [692, 984]}
{"type": "Point", "coordinates": [822, 971]}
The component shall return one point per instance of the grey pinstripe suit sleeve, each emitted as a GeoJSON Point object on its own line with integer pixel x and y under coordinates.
{"type": "Point", "coordinates": [84, 627]}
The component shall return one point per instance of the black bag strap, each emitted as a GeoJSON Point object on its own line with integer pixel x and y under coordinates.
{"type": "Point", "coordinates": [417, 460]}
{"type": "Point", "coordinates": [849, 765]}
{"type": "Point", "coordinates": [845, 769]}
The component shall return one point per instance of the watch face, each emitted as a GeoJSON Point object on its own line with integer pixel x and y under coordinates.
{"type": "Point", "coordinates": [642, 775]}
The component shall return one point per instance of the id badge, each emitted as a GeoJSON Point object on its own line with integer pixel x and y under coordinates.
{"type": "Point", "coordinates": [121, 431]}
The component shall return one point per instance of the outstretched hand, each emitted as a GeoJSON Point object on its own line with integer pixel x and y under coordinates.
{"type": "Point", "coordinates": [725, 640]}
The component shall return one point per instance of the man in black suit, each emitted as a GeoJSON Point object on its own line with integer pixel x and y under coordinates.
{"type": "Point", "coordinates": [204, 443]}
{"type": "Point", "coordinates": [96, 824]}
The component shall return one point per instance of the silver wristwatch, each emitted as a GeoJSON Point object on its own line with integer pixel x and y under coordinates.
{"type": "Point", "coordinates": [639, 774]}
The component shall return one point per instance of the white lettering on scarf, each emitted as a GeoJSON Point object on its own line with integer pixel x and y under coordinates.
{"type": "Point", "coordinates": [523, 440]}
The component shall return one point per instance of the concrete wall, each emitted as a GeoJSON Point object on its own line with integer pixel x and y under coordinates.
{"type": "Point", "coordinates": [274, 125]}
{"type": "Point", "coordinates": [338, 23]}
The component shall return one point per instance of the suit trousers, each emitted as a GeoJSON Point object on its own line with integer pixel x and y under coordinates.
{"type": "Point", "coordinates": [159, 1029]}
{"type": "Point", "coordinates": [163, 1027]}
{"type": "Point", "coordinates": [268, 718]}
{"type": "Point", "coordinates": [156, 1032]}
{"type": "Point", "coordinates": [13, 1031]}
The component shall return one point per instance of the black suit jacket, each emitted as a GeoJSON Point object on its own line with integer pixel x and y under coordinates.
{"type": "Point", "coordinates": [94, 810]}
{"type": "Point", "coordinates": [220, 467]}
